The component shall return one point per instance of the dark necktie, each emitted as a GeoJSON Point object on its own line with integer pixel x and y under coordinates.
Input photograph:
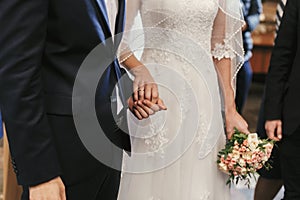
{"type": "Point", "coordinates": [119, 26]}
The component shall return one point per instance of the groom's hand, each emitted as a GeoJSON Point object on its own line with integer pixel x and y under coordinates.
{"type": "Point", "coordinates": [156, 106]}
{"type": "Point", "coordinates": [274, 129]}
{"type": "Point", "coordinates": [51, 190]}
{"type": "Point", "coordinates": [144, 108]}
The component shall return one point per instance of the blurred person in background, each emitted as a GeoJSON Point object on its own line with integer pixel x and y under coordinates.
{"type": "Point", "coordinates": [11, 189]}
{"type": "Point", "coordinates": [251, 11]}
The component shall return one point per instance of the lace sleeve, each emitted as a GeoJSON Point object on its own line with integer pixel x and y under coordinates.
{"type": "Point", "coordinates": [227, 34]}
{"type": "Point", "coordinates": [132, 11]}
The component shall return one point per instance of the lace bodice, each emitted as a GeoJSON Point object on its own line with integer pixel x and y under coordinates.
{"type": "Point", "coordinates": [213, 24]}
{"type": "Point", "coordinates": [192, 19]}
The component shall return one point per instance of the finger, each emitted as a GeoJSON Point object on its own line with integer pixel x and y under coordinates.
{"type": "Point", "coordinates": [148, 91]}
{"type": "Point", "coordinates": [244, 129]}
{"type": "Point", "coordinates": [141, 85]}
{"type": "Point", "coordinates": [148, 110]}
{"type": "Point", "coordinates": [161, 104]}
{"type": "Point", "coordinates": [153, 106]}
{"type": "Point", "coordinates": [137, 114]}
{"type": "Point", "coordinates": [63, 192]}
{"type": "Point", "coordinates": [270, 131]}
{"type": "Point", "coordinates": [63, 195]}
{"type": "Point", "coordinates": [141, 93]}
{"type": "Point", "coordinates": [135, 90]}
{"type": "Point", "coordinates": [130, 103]}
{"type": "Point", "coordinates": [229, 132]}
{"type": "Point", "coordinates": [136, 95]}
{"type": "Point", "coordinates": [154, 94]}
{"type": "Point", "coordinates": [142, 112]}
{"type": "Point", "coordinates": [243, 125]}
{"type": "Point", "coordinates": [229, 135]}
{"type": "Point", "coordinates": [279, 131]}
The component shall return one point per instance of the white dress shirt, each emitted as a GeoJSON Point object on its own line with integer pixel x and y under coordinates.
{"type": "Point", "coordinates": [112, 8]}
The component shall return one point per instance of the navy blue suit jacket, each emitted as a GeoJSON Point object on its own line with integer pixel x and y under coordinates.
{"type": "Point", "coordinates": [42, 45]}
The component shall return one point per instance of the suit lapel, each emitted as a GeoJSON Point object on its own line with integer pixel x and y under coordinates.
{"type": "Point", "coordinates": [119, 27]}
{"type": "Point", "coordinates": [120, 20]}
{"type": "Point", "coordinates": [104, 17]}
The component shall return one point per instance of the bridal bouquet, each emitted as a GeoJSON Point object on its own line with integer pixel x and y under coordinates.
{"type": "Point", "coordinates": [243, 155]}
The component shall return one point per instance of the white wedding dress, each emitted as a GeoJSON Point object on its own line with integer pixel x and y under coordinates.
{"type": "Point", "coordinates": [175, 151]}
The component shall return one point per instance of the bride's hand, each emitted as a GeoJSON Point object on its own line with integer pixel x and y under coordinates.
{"type": "Point", "coordinates": [235, 120]}
{"type": "Point", "coordinates": [144, 86]}
{"type": "Point", "coordinates": [144, 108]}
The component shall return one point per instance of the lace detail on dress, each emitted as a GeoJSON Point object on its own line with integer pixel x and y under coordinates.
{"type": "Point", "coordinates": [159, 138]}
{"type": "Point", "coordinates": [223, 51]}
{"type": "Point", "coordinates": [155, 143]}
{"type": "Point", "coordinates": [204, 196]}
{"type": "Point", "coordinates": [160, 57]}
{"type": "Point", "coordinates": [203, 128]}
{"type": "Point", "coordinates": [176, 16]}
{"type": "Point", "coordinates": [153, 198]}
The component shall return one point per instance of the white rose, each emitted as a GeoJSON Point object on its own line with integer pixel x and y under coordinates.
{"type": "Point", "coordinates": [268, 146]}
{"type": "Point", "coordinates": [242, 162]}
{"type": "Point", "coordinates": [252, 141]}
{"type": "Point", "coordinates": [235, 155]}
{"type": "Point", "coordinates": [247, 155]}
{"type": "Point", "coordinates": [265, 158]}
{"type": "Point", "coordinates": [244, 170]}
{"type": "Point", "coordinates": [223, 167]}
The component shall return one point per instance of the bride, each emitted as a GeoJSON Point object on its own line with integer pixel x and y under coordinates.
{"type": "Point", "coordinates": [193, 50]}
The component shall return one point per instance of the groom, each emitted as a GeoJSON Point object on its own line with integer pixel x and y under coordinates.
{"type": "Point", "coordinates": [282, 98]}
{"type": "Point", "coordinates": [43, 44]}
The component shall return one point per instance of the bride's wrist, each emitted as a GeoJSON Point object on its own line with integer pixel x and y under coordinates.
{"type": "Point", "coordinates": [230, 105]}
{"type": "Point", "coordinates": [137, 70]}
{"type": "Point", "coordinates": [230, 108]}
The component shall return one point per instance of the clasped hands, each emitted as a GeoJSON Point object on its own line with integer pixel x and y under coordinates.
{"type": "Point", "coordinates": [145, 100]}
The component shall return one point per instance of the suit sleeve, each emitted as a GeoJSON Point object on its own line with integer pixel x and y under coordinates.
{"type": "Point", "coordinates": [23, 25]}
{"type": "Point", "coordinates": [282, 59]}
